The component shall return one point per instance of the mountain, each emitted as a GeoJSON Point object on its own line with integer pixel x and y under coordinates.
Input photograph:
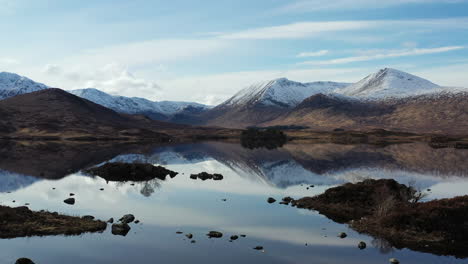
{"type": "Point", "coordinates": [280, 93]}
{"type": "Point", "coordinates": [390, 83]}
{"type": "Point", "coordinates": [12, 84]}
{"type": "Point", "coordinates": [264, 101]}
{"type": "Point", "coordinates": [430, 113]}
{"type": "Point", "coordinates": [55, 112]}
{"type": "Point", "coordinates": [164, 110]}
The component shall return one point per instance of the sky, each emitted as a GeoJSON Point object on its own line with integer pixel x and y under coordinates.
{"type": "Point", "coordinates": [205, 51]}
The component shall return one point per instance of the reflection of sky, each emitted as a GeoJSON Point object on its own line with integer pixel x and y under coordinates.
{"type": "Point", "coordinates": [196, 206]}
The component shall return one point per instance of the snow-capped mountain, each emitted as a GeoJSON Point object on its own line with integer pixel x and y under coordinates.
{"type": "Point", "coordinates": [135, 105]}
{"type": "Point", "coordinates": [281, 93]}
{"type": "Point", "coordinates": [12, 84]}
{"type": "Point", "coordinates": [390, 83]}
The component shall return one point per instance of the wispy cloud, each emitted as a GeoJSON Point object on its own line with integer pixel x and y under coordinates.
{"type": "Point", "coordinates": [313, 54]}
{"type": "Point", "coordinates": [308, 29]}
{"type": "Point", "coordinates": [385, 55]}
{"type": "Point", "coordinates": [318, 5]}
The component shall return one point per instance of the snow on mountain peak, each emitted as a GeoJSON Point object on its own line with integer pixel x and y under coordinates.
{"type": "Point", "coordinates": [133, 105]}
{"type": "Point", "coordinates": [12, 84]}
{"type": "Point", "coordinates": [390, 83]}
{"type": "Point", "coordinates": [280, 92]}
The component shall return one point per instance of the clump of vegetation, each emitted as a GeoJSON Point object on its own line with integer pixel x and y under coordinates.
{"type": "Point", "coordinates": [22, 222]}
{"type": "Point", "coordinates": [119, 171]}
{"type": "Point", "coordinates": [393, 211]}
{"type": "Point", "coordinates": [269, 138]}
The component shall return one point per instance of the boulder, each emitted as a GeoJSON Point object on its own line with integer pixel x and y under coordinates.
{"type": "Point", "coordinates": [24, 261]}
{"type": "Point", "coordinates": [128, 218]}
{"type": "Point", "coordinates": [362, 245]}
{"type": "Point", "coordinates": [214, 234]}
{"type": "Point", "coordinates": [88, 217]}
{"type": "Point", "coordinates": [70, 201]}
{"type": "Point", "coordinates": [120, 229]}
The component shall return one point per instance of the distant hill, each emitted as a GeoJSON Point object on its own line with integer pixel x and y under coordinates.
{"type": "Point", "coordinates": [55, 112]}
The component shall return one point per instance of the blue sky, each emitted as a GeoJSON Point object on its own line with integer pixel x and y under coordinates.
{"type": "Point", "coordinates": [207, 50]}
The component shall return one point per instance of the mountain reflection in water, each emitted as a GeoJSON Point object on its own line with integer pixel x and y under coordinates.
{"type": "Point", "coordinates": [43, 174]}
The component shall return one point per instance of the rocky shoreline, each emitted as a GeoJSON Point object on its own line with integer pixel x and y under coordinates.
{"type": "Point", "coordinates": [22, 222]}
{"type": "Point", "coordinates": [394, 212]}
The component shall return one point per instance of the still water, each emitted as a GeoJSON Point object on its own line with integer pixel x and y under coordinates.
{"type": "Point", "coordinates": [30, 172]}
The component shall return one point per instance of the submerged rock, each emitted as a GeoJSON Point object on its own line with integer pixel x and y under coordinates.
{"type": "Point", "coordinates": [24, 261]}
{"type": "Point", "coordinates": [70, 201]}
{"type": "Point", "coordinates": [206, 176]}
{"type": "Point", "coordinates": [258, 248]}
{"type": "Point", "coordinates": [234, 237]}
{"type": "Point", "coordinates": [120, 229]}
{"type": "Point", "coordinates": [214, 234]}
{"type": "Point", "coordinates": [362, 245]}
{"type": "Point", "coordinates": [342, 235]}
{"type": "Point", "coordinates": [128, 218]}
{"type": "Point", "coordinates": [189, 236]}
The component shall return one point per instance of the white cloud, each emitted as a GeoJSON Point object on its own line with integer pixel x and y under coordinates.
{"type": "Point", "coordinates": [308, 29]}
{"type": "Point", "coordinates": [313, 54]}
{"type": "Point", "coordinates": [150, 52]}
{"type": "Point", "coordinates": [385, 55]}
{"type": "Point", "coordinates": [111, 78]}
{"type": "Point", "coordinates": [318, 5]}
{"type": "Point", "coordinates": [298, 30]}
{"type": "Point", "coordinates": [9, 61]}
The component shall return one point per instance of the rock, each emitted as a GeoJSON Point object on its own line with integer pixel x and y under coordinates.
{"type": "Point", "coordinates": [223, 200]}
{"type": "Point", "coordinates": [243, 235]}
{"type": "Point", "coordinates": [287, 199]}
{"type": "Point", "coordinates": [120, 229]}
{"type": "Point", "coordinates": [342, 235]}
{"type": "Point", "coordinates": [189, 236]}
{"type": "Point", "coordinates": [429, 190]}
{"type": "Point", "coordinates": [206, 176]}
{"type": "Point", "coordinates": [128, 218]}
{"type": "Point", "coordinates": [234, 237]}
{"type": "Point", "coordinates": [24, 261]}
{"type": "Point", "coordinates": [137, 221]}
{"type": "Point", "coordinates": [179, 232]}
{"type": "Point", "coordinates": [217, 177]}
{"type": "Point", "coordinates": [258, 248]}
{"type": "Point", "coordinates": [102, 189]}
{"type": "Point", "coordinates": [72, 194]}
{"type": "Point", "coordinates": [285, 203]}
{"type": "Point", "coordinates": [193, 241]}
{"type": "Point", "coordinates": [88, 217]}
{"type": "Point", "coordinates": [362, 245]}
{"type": "Point", "coordinates": [394, 261]}
{"type": "Point", "coordinates": [214, 234]}
{"type": "Point", "coordinates": [111, 220]}
{"type": "Point", "coordinates": [69, 201]}
{"type": "Point", "coordinates": [271, 200]}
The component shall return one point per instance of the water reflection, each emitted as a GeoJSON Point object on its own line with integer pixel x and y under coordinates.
{"type": "Point", "coordinates": [250, 176]}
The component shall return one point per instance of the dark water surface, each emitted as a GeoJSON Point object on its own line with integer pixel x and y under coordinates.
{"type": "Point", "coordinates": [29, 172]}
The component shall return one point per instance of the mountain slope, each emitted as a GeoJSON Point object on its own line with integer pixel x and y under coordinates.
{"type": "Point", "coordinates": [433, 113]}
{"type": "Point", "coordinates": [54, 112]}
{"type": "Point", "coordinates": [390, 83]}
{"type": "Point", "coordinates": [12, 84]}
{"type": "Point", "coordinates": [280, 93]}
{"type": "Point", "coordinates": [263, 102]}
{"type": "Point", "coordinates": [133, 105]}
